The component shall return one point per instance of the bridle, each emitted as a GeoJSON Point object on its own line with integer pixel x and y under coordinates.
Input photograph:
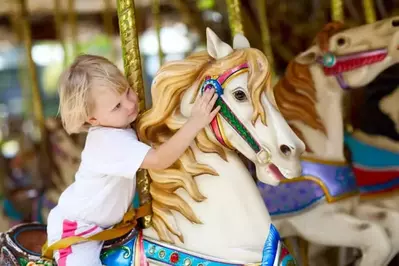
{"type": "Point", "coordinates": [334, 65]}
{"type": "Point", "coordinates": [218, 83]}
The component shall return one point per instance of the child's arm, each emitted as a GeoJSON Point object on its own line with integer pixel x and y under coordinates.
{"type": "Point", "coordinates": [166, 154]}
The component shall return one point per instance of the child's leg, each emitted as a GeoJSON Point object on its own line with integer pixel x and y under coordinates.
{"type": "Point", "coordinates": [81, 254]}
{"type": "Point", "coordinates": [87, 253]}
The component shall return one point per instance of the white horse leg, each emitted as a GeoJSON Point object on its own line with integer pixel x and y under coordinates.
{"type": "Point", "coordinates": [343, 230]}
{"type": "Point", "coordinates": [386, 217]}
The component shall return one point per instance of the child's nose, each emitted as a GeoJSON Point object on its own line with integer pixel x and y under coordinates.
{"type": "Point", "coordinates": [130, 106]}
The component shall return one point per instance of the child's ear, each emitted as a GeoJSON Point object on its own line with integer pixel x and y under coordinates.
{"type": "Point", "coordinates": [93, 121]}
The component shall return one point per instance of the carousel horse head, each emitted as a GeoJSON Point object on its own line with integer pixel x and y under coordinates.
{"type": "Point", "coordinates": [340, 59]}
{"type": "Point", "coordinates": [248, 123]}
{"type": "Point", "coordinates": [355, 57]}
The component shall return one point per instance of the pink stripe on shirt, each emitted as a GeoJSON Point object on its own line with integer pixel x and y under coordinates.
{"type": "Point", "coordinates": [69, 229]}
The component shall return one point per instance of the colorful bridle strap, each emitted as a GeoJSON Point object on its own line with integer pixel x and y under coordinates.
{"type": "Point", "coordinates": [218, 84]}
{"type": "Point", "coordinates": [336, 65]}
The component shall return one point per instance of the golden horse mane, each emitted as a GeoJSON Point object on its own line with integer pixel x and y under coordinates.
{"type": "Point", "coordinates": [295, 92]}
{"type": "Point", "coordinates": [159, 123]}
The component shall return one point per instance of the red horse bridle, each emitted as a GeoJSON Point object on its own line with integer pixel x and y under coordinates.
{"type": "Point", "coordinates": [336, 65]}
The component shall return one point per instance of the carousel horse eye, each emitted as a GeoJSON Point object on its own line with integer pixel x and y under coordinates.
{"type": "Point", "coordinates": [240, 95]}
{"type": "Point", "coordinates": [285, 150]}
{"type": "Point", "coordinates": [341, 41]}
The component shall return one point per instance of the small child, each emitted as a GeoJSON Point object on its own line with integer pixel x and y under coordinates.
{"type": "Point", "coordinates": [95, 96]}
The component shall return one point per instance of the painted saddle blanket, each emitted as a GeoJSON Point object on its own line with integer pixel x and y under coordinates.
{"type": "Point", "coordinates": [140, 251]}
{"type": "Point", "coordinates": [376, 169]}
{"type": "Point", "coordinates": [320, 181]}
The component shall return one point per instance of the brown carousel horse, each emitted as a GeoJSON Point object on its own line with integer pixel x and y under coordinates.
{"type": "Point", "coordinates": [31, 202]}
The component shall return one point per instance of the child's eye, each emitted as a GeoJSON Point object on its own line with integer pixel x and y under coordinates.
{"type": "Point", "coordinates": [117, 106]}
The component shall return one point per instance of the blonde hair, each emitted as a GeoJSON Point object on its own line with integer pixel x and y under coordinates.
{"type": "Point", "coordinates": [159, 123]}
{"type": "Point", "coordinates": [76, 89]}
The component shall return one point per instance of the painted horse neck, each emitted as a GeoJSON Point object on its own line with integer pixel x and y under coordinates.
{"type": "Point", "coordinates": [329, 107]}
{"type": "Point", "coordinates": [235, 221]}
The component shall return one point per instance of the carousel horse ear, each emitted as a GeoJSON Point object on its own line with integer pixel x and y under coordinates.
{"type": "Point", "coordinates": [309, 56]}
{"type": "Point", "coordinates": [240, 42]}
{"type": "Point", "coordinates": [216, 48]}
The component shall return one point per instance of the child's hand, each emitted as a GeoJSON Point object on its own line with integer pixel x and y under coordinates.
{"type": "Point", "coordinates": [202, 114]}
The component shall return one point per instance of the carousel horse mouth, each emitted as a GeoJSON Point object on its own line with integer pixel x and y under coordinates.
{"type": "Point", "coordinates": [276, 172]}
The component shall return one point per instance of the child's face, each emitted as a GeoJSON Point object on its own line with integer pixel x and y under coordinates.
{"type": "Point", "coordinates": [114, 110]}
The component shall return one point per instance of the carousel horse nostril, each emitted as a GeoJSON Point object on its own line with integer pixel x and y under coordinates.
{"type": "Point", "coordinates": [285, 150]}
{"type": "Point", "coordinates": [395, 23]}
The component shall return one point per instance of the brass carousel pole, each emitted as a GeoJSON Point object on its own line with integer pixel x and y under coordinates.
{"type": "Point", "coordinates": [337, 10]}
{"type": "Point", "coordinates": [235, 17]}
{"type": "Point", "coordinates": [73, 30]}
{"type": "Point", "coordinates": [133, 72]}
{"type": "Point", "coordinates": [58, 20]}
{"type": "Point", "coordinates": [36, 97]}
{"type": "Point", "coordinates": [264, 31]}
{"type": "Point", "coordinates": [109, 27]}
{"type": "Point", "coordinates": [15, 15]}
{"type": "Point", "coordinates": [37, 104]}
{"type": "Point", "coordinates": [369, 11]}
{"type": "Point", "coordinates": [156, 13]}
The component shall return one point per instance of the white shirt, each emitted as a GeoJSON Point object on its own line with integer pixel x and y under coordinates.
{"type": "Point", "coordinates": [105, 182]}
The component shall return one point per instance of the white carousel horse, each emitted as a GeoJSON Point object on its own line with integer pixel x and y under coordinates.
{"type": "Point", "coordinates": [206, 207]}
{"type": "Point", "coordinates": [318, 205]}
{"type": "Point", "coordinates": [207, 202]}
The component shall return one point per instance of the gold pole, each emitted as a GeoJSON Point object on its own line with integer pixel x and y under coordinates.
{"type": "Point", "coordinates": [156, 12]}
{"type": "Point", "coordinates": [15, 15]}
{"type": "Point", "coordinates": [264, 31]}
{"type": "Point", "coordinates": [109, 27]}
{"type": "Point", "coordinates": [304, 251]}
{"type": "Point", "coordinates": [337, 10]}
{"type": "Point", "coordinates": [36, 97]}
{"type": "Point", "coordinates": [133, 71]}
{"type": "Point", "coordinates": [130, 48]}
{"type": "Point", "coordinates": [369, 11]}
{"type": "Point", "coordinates": [235, 17]}
{"type": "Point", "coordinates": [73, 27]}
{"type": "Point", "coordinates": [58, 20]}
{"type": "Point", "coordinates": [15, 25]}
